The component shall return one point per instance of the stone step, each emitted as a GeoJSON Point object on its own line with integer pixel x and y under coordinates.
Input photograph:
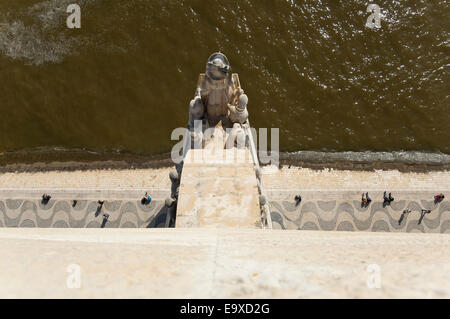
{"type": "Point", "coordinates": [218, 192]}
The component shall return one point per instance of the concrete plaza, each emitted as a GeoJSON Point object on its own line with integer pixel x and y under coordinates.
{"type": "Point", "coordinates": [222, 263]}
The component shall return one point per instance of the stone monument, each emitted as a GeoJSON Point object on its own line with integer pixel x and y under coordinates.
{"type": "Point", "coordinates": [219, 99]}
{"type": "Point", "coordinates": [222, 189]}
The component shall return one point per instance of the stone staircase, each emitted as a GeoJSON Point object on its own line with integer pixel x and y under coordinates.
{"type": "Point", "coordinates": [218, 190]}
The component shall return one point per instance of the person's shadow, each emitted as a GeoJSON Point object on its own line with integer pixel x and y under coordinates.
{"type": "Point", "coordinates": [422, 215]}
{"type": "Point", "coordinates": [105, 220]}
{"type": "Point", "coordinates": [401, 218]}
{"type": "Point", "coordinates": [298, 200]}
{"type": "Point", "coordinates": [365, 204]}
{"type": "Point", "coordinates": [98, 211]}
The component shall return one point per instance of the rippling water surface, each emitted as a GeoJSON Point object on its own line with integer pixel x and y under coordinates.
{"type": "Point", "coordinates": [123, 81]}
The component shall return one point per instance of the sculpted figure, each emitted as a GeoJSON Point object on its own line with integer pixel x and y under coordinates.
{"type": "Point", "coordinates": [218, 98]}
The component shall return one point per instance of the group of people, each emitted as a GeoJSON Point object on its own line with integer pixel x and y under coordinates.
{"type": "Point", "coordinates": [45, 199]}
{"type": "Point", "coordinates": [365, 201]}
{"type": "Point", "coordinates": [145, 201]}
{"type": "Point", "coordinates": [387, 199]}
{"type": "Point", "coordinates": [439, 198]}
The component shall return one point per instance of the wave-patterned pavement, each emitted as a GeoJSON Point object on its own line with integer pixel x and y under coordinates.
{"type": "Point", "coordinates": [349, 215]}
{"type": "Point", "coordinates": [85, 214]}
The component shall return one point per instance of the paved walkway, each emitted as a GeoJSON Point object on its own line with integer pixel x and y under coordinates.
{"type": "Point", "coordinates": [342, 211]}
{"type": "Point", "coordinates": [319, 210]}
{"type": "Point", "coordinates": [61, 213]}
{"type": "Point", "coordinates": [222, 263]}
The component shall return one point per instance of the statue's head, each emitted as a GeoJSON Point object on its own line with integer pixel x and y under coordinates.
{"type": "Point", "coordinates": [217, 67]}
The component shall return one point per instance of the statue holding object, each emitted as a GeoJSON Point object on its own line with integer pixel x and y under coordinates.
{"type": "Point", "coordinates": [218, 99]}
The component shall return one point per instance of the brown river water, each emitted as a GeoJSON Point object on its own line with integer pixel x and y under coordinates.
{"type": "Point", "coordinates": [121, 83]}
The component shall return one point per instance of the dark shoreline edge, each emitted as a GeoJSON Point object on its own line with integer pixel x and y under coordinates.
{"type": "Point", "coordinates": [368, 166]}
{"type": "Point", "coordinates": [82, 160]}
{"type": "Point", "coordinates": [79, 160]}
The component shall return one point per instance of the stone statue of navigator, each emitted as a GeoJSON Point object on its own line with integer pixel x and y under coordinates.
{"type": "Point", "coordinates": [218, 99]}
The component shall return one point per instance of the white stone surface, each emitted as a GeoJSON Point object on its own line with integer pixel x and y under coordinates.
{"type": "Point", "coordinates": [218, 190]}
{"type": "Point", "coordinates": [285, 179]}
{"type": "Point", "coordinates": [89, 179]}
{"type": "Point", "coordinates": [297, 178]}
{"type": "Point", "coordinates": [221, 263]}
